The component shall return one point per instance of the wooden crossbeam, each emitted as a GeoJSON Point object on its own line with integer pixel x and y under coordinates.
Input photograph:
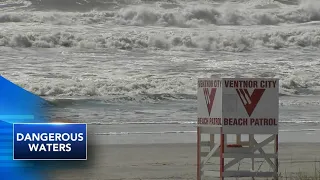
{"type": "Point", "coordinates": [209, 149]}
{"type": "Point", "coordinates": [213, 151]}
{"type": "Point", "coordinates": [257, 146]}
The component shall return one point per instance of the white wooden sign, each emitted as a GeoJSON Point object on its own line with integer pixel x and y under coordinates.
{"type": "Point", "coordinates": [240, 105]}
{"type": "Point", "coordinates": [209, 101]}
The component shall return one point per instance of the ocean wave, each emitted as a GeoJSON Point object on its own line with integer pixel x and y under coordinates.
{"type": "Point", "coordinates": [193, 132]}
{"type": "Point", "coordinates": [182, 15]}
{"type": "Point", "coordinates": [65, 102]}
{"type": "Point", "coordinates": [14, 4]}
{"type": "Point", "coordinates": [210, 41]}
{"type": "Point", "coordinates": [141, 91]}
{"type": "Point", "coordinates": [78, 5]}
{"type": "Point", "coordinates": [303, 122]}
{"type": "Point", "coordinates": [225, 14]}
{"type": "Point", "coordinates": [127, 133]}
{"type": "Point", "coordinates": [62, 102]}
{"type": "Point", "coordinates": [143, 123]}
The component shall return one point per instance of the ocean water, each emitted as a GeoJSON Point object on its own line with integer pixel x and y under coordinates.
{"type": "Point", "coordinates": [129, 68]}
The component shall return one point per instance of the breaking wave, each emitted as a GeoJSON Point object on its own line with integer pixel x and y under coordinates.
{"type": "Point", "coordinates": [152, 14]}
{"type": "Point", "coordinates": [111, 29]}
{"type": "Point", "coordinates": [127, 133]}
{"type": "Point", "coordinates": [179, 132]}
{"type": "Point", "coordinates": [14, 4]}
{"type": "Point", "coordinates": [226, 14]}
{"type": "Point", "coordinates": [241, 41]}
{"type": "Point", "coordinates": [62, 102]}
{"type": "Point", "coordinates": [177, 14]}
{"type": "Point", "coordinates": [154, 90]}
{"type": "Point", "coordinates": [193, 123]}
{"type": "Point", "coordinates": [160, 92]}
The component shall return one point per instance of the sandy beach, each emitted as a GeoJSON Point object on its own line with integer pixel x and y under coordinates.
{"type": "Point", "coordinates": [171, 161]}
{"type": "Point", "coordinates": [130, 69]}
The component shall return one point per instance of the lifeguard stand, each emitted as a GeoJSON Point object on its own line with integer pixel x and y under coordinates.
{"type": "Point", "coordinates": [237, 107]}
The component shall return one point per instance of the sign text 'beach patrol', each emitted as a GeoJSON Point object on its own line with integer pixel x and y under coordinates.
{"type": "Point", "coordinates": [240, 102]}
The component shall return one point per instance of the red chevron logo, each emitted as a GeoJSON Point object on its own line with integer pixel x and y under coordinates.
{"type": "Point", "coordinates": [250, 101]}
{"type": "Point", "coordinates": [209, 97]}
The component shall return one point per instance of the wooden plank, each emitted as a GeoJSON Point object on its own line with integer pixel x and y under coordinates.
{"type": "Point", "coordinates": [248, 155]}
{"type": "Point", "coordinates": [211, 173]}
{"type": "Point", "coordinates": [248, 174]}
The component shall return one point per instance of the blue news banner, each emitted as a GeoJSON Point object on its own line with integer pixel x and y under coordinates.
{"type": "Point", "coordinates": [49, 141]}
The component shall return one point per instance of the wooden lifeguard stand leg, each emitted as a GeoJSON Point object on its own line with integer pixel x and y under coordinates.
{"type": "Point", "coordinates": [276, 159]}
{"type": "Point", "coordinates": [251, 145]}
{"type": "Point", "coordinates": [211, 141]}
{"type": "Point", "coordinates": [238, 140]}
{"type": "Point", "coordinates": [207, 151]}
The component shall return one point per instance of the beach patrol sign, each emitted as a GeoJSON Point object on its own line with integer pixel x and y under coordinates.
{"type": "Point", "coordinates": [239, 105]}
